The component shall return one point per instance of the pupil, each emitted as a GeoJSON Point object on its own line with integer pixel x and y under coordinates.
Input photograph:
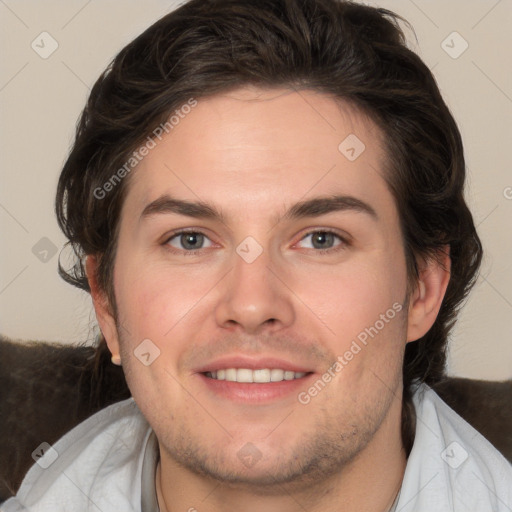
{"type": "Point", "coordinates": [320, 239]}
{"type": "Point", "coordinates": [191, 240]}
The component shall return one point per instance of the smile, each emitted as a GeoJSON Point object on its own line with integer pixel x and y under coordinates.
{"type": "Point", "coordinates": [246, 375]}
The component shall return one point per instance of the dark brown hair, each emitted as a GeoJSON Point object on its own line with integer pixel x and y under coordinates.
{"type": "Point", "coordinates": [351, 51]}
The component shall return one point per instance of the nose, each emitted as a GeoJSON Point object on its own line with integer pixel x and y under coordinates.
{"type": "Point", "coordinates": [254, 298]}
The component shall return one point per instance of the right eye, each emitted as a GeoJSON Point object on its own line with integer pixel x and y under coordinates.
{"type": "Point", "coordinates": [188, 241]}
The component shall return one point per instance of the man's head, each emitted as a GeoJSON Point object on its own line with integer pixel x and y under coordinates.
{"type": "Point", "coordinates": [252, 110]}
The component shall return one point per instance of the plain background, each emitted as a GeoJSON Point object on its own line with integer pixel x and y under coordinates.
{"type": "Point", "coordinates": [41, 99]}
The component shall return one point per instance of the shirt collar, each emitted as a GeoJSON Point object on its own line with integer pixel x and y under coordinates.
{"type": "Point", "coordinates": [149, 501]}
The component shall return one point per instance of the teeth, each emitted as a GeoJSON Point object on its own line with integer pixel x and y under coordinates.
{"type": "Point", "coordinates": [244, 375]}
{"type": "Point", "coordinates": [276, 375]}
{"type": "Point", "coordinates": [259, 376]}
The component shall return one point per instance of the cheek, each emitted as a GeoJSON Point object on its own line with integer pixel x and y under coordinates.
{"type": "Point", "coordinates": [155, 298]}
{"type": "Point", "coordinates": [350, 298]}
{"type": "Point", "coordinates": [364, 312]}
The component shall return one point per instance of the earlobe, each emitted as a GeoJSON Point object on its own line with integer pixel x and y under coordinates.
{"type": "Point", "coordinates": [102, 307]}
{"type": "Point", "coordinates": [426, 300]}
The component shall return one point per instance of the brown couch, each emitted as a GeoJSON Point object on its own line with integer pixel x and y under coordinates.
{"type": "Point", "coordinates": [47, 389]}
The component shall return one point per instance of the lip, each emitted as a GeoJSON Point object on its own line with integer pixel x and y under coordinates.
{"type": "Point", "coordinates": [256, 393]}
{"type": "Point", "coordinates": [253, 364]}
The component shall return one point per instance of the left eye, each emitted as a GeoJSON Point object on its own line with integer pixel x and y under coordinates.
{"type": "Point", "coordinates": [322, 240]}
{"type": "Point", "coordinates": [189, 241]}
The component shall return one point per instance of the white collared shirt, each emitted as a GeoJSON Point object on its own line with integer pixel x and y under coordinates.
{"type": "Point", "coordinates": [108, 463]}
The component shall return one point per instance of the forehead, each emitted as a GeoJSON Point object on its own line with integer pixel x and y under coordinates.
{"type": "Point", "coordinates": [253, 150]}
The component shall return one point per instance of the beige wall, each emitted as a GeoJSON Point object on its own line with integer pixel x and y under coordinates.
{"type": "Point", "coordinates": [40, 101]}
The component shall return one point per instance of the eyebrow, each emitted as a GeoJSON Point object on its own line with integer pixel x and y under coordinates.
{"type": "Point", "coordinates": [315, 207]}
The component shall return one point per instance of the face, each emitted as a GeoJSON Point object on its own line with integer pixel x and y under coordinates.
{"type": "Point", "coordinates": [292, 261]}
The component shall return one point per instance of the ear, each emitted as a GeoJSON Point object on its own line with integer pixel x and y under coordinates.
{"type": "Point", "coordinates": [426, 300]}
{"type": "Point", "coordinates": [102, 307]}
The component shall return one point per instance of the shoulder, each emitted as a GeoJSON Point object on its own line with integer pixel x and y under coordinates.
{"type": "Point", "coordinates": [434, 410]}
{"type": "Point", "coordinates": [451, 465]}
{"type": "Point", "coordinates": [102, 453]}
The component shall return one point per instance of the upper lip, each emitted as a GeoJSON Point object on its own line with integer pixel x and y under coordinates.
{"type": "Point", "coordinates": [252, 364]}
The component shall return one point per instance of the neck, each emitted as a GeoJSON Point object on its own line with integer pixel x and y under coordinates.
{"type": "Point", "coordinates": [371, 481]}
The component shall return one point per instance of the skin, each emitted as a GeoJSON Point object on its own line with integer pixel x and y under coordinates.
{"type": "Point", "coordinates": [252, 154]}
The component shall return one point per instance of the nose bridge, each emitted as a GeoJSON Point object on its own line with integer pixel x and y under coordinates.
{"type": "Point", "coordinates": [252, 296]}
{"type": "Point", "coordinates": [251, 265]}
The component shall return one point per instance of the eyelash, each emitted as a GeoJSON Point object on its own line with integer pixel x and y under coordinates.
{"type": "Point", "coordinates": [343, 245]}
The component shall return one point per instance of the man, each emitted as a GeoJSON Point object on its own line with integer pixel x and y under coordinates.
{"type": "Point", "coordinates": [266, 199]}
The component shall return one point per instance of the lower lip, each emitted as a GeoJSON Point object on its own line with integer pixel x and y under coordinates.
{"type": "Point", "coordinates": [250, 392]}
